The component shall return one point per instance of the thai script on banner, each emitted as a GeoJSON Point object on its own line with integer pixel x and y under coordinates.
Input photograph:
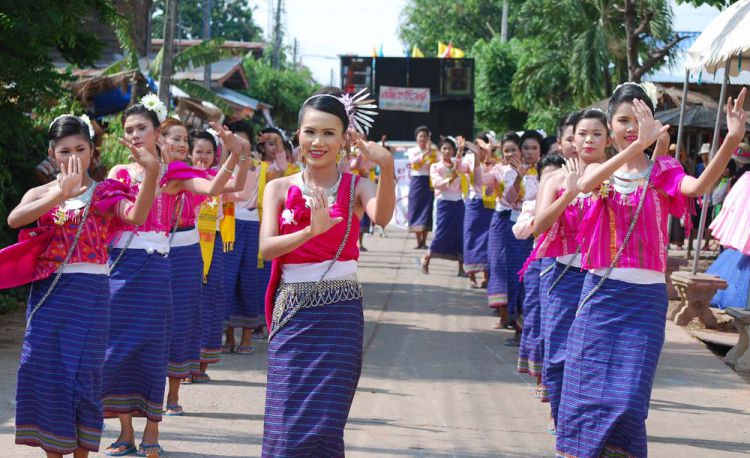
{"type": "Point", "coordinates": [415, 99]}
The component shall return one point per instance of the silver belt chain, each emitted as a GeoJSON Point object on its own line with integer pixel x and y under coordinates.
{"type": "Point", "coordinates": [278, 321]}
{"type": "Point", "coordinates": [72, 249]}
{"type": "Point", "coordinates": [625, 240]}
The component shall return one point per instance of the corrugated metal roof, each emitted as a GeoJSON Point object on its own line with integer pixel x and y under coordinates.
{"type": "Point", "coordinates": [239, 98]}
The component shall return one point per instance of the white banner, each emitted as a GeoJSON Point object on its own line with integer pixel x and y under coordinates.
{"type": "Point", "coordinates": [414, 99]}
{"type": "Point", "coordinates": [400, 218]}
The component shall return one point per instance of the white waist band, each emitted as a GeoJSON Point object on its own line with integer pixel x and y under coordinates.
{"type": "Point", "coordinates": [633, 275]}
{"type": "Point", "coordinates": [84, 268]}
{"type": "Point", "coordinates": [450, 196]}
{"type": "Point", "coordinates": [311, 272]}
{"type": "Point", "coordinates": [572, 260]}
{"type": "Point", "coordinates": [244, 214]}
{"type": "Point", "coordinates": [185, 238]}
{"type": "Point", "coordinates": [149, 241]}
{"type": "Point", "coordinates": [417, 173]}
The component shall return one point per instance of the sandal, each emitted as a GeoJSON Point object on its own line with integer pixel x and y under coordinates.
{"type": "Point", "coordinates": [226, 349]}
{"type": "Point", "coordinates": [201, 378]}
{"type": "Point", "coordinates": [129, 448]}
{"type": "Point", "coordinates": [173, 410]}
{"type": "Point", "coordinates": [150, 450]}
{"type": "Point", "coordinates": [425, 266]}
{"type": "Point", "coordinates": [187, 380]}
{"type": "Point", "coordinates": [512, 342]}
{"type": "Point", "coordinates": [244, 350]}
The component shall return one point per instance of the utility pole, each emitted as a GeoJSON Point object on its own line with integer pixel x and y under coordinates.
{"type": "Point", "coordinates": [294, 53]}
{"type": "Point", "coordinates": [275, 62]}
{"type": "Point", "coordinates": [165, 77]}
{"type": "Point", "coordinates": [504, 24]}
{"type": "Point", "coordinates": [206, 37]}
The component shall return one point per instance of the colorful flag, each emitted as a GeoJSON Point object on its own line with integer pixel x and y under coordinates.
{"type": "Point", "coordinates": [380, 51]}
{"type": "Point", "coordinates": [416, 52]}
{"type": "Point", "coordinates": [457, 53]}
{"type": "Point", "coordinates": [374, 52]}
{"type": "Point", "coordinates": [443, 49]}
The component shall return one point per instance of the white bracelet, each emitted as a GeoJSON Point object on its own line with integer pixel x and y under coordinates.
{"type": "Point", "coordinates": [224, 168]}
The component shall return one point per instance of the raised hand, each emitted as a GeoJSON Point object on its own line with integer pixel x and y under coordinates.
{"type": "Point", "coordinates": [232, 141]}
{"type": "Point", "coordinates": [142, 156]}
{"type": "Point", "coordinates": [320, 219]}
{"type": "Point", "coordinates": [373, 151]}
{"type": "Point", "coordinates": [736, 116]}
{"type": "Point", "coordinates": [649, 129]}
{"type": "Point", "coordinates": [71, 178]}
{"type": "Point", "coordinates": [168, 153]}
{"type": "Point", "coordinates": [461, 141]}
{"type": "Point", "coordinates": [572, 171]}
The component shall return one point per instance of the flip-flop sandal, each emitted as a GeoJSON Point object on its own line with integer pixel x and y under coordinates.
{"type": "Point", "coordinates": [226, 349]}
{"type": "Point", "coordinates": [174, 410]}
{"type": "Point", "coordinates": [201, 378]}
{"type": "Point", "coordinates": [186, 381]}
{"type": "Point", "coordinates": [244, 350]}
{"type": "Point", "coordinates": [130, 448]}
{"type": "Point", "coordinates": [150, 450]}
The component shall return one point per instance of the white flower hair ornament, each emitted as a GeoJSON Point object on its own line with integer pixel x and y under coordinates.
{"type": "Point", "coordinates": [359, 108]}
{"type": "Point", "coordinates": [152, 103]}
{"type": "Point", "coordinates": [648, 87]}
{"type": "Point", "coordinates": [83, 118]}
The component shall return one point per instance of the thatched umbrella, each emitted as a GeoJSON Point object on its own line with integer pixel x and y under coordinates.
{"type": "Point", "coordinates": [724, 41]}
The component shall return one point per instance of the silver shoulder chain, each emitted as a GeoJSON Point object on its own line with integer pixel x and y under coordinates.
{"type": "Point", "coordinates": [71, 250]}
{"type": "Point", "coordinates": [276, 325]}
{"type": "Point", "coordinates": [625, 240]}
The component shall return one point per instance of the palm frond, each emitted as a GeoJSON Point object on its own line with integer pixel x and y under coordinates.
{"type": "Point", "coordinates": [199, 91]}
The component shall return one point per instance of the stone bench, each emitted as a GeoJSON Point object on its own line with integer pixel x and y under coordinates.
{"type": "Point", "coordinates": [673, 265]}
{"type": "Point", "coordinates": [739, 356]}
{"type": "Point", "coordinates": [695, 293]}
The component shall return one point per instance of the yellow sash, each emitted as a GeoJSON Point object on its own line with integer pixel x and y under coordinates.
{"type": "Point", "coordinates": [291, 169]}
{"type": "Point", "coordinates": [226, 227]}
{"type": "Point", "coordinates": [207, 215]}
{"type": "Point", "coordinates": [262, 180]}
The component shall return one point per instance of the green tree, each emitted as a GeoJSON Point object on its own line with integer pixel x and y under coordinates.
{"type": "Point", "coordinates": [230, 20]}
{"type": "Point", "coordinates": [425, 22]}
{"type": "Point", "coordinates": [285, 89]}
{"type": "Point", "coordinates": [493, 104]}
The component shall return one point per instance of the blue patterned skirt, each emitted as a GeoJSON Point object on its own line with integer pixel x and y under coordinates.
{"type": "Point", "coordinates": [241, 277]}
{"type": "Point", "coordinates": [610, 364]}
{"type": "Point", "coordinates": [734, 267]}
{"type": "Point", "coordinates": [58, 396]}
{"type": "Point", "coordinates": [212, 306]}
{"type": "Point", "coordinates": [419, 209]}
{"type": "Point", "coordinates": [562, 303]}
{"type": "Point", "coordinates": [507, 256]}
{"type": "Point", "coordinates": [476, 235]}
{"type": "Point", "coordinates": [141, 324]}
{"type": "Point", "coordinates": [187, 280]}
{"type": "Point", "coordinates": [449, 238]}
{"type": "Point", "coordinates": [531, 352]}
{"type": "Point", "coordinates": [314, 363]}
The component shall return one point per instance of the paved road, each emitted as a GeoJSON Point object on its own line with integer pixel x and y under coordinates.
{"type": "Point", "coordinates": [437, 382]}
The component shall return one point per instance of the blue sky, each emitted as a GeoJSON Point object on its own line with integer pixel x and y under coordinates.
{"type": "Point", "coordinates": [328, 28]}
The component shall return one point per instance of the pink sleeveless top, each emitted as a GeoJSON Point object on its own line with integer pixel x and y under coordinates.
{"type": "Point", "coordinates": [295, 216]}
{"type": "Point", "coordinates": [190, 205]}
{"type": "Point", "coordinates": [560, 239]}
{"type": "Point", "coordinates": [162, 216]}
{"type": "Point", "coordinates": [607, 221]}
{"type": "Point", "coordinates": [41, 250]}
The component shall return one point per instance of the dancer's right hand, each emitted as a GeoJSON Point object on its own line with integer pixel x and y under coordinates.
{"type": "Point", "coordinates": [573, 172]}
{"type": "Point", "coordinates": [71, 178]}
{"type": "Point", "coordinates": [320, 219]}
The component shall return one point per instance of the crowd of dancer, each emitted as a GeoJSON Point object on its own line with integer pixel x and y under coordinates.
{"type": "Point", "coordinates": [140, 281]}
{"type": "Point", "coordinates": [570, 239]}
{"type": "Point", "coordinates": [137, 279]}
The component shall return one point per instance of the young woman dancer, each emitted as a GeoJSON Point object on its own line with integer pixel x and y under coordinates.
{"type": "Point", "coordinates": [203, 148]}
{"type": "Point", "coordinates": [245, 274]}
{"type": "Point", "coordinates": [618, 332]}
{"type": "Point", "coordinates": [531, 348]}
{"type": "Point", "coordinates": [187, 264]}
{"type": "Point", "coordinates": [140, 286]}
{"type": "Point", "coordinates": [499, 183]}
{"type": "Point", "coordinates": [314, 301]}
{"type": "Point", "coordinates": [446, 179]}
{"type": "Point", "coordinates": [421, 197]}
{"type": "Point", "coordinates": [559, 212]}
{"type": "Point", "coordinates": [58, 397]}
{"type": "Point", "coordinates": [478, 211]}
